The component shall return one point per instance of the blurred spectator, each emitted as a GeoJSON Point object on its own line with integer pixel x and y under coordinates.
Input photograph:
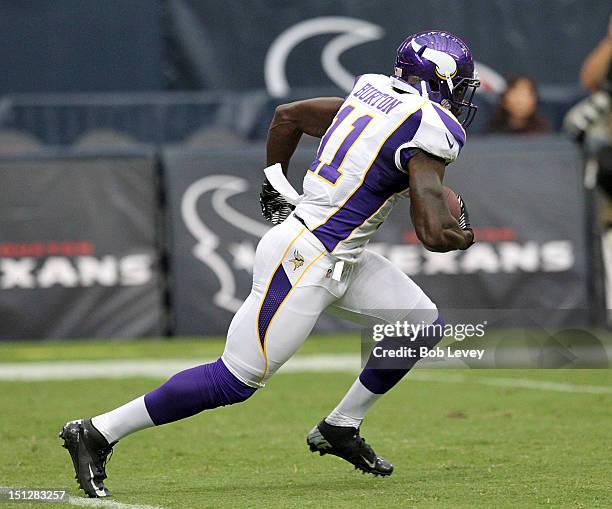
{"type": "Point", "coordinates": [597, 63]}
{"type": "Point", "coordinates": [590, 123]}
{"type": "Point", "coordinates": [518, 109]}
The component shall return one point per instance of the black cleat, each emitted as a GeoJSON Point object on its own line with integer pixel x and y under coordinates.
{"type": "Point", "coordinates": [89, 451]}
{"type": "Point", "coordinates": [345, 442]}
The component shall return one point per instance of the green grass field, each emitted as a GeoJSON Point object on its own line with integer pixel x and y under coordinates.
{"type": "Point", "coordinates": [465, 444]}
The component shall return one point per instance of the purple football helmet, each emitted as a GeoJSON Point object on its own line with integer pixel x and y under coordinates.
{"type": "Point", "coordinates": [440, 65]}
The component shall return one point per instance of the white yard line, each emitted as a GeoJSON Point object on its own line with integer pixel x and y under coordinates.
{"type": "Point", "coordinates": [331, 363]}
{"type": "Point", "coordinates": [81, 501]}
{"type": "Point", "coordinates": [75, 370]}
{"type": "Point", "coordinates": [110, 504]}
{"type": "Point", "coordinates": [124, 368]}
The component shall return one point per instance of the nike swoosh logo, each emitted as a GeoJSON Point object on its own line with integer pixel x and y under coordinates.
{"type": "Point", "coordinates": [450, 143]}
{"type": "Point", "coordinates": [98, 491]}
{"type": "Point", "coordinates": [371, 464]}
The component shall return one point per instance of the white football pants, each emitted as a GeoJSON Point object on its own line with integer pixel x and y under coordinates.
{"type": "Point", "coordinates": [293, 285]}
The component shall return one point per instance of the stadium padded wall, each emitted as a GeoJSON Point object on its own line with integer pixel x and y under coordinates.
{"type": "Point", "coordinates": [524, 196]}
{"type": "Point", "coordinates": [79, 246]}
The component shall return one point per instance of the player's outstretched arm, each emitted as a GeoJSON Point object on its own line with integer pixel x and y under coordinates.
{"type": "Point", "coordinates": [290, 121]}
{"type": "Point", "coordinates": [435, 227]}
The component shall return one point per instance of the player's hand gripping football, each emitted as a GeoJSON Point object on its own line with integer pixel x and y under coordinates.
{"type": "Point", "coordinates": [273, 206]}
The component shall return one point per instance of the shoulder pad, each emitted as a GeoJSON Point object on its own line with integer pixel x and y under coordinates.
{"type": "Point", "coordinates": [439, 134]}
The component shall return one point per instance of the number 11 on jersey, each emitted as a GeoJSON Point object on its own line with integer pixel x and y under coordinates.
{"type": "Point", "coordinates": [331, 171]}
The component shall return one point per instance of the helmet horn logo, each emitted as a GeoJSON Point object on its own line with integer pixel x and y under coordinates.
{"type": "Point", "coordinates": [446, 67]}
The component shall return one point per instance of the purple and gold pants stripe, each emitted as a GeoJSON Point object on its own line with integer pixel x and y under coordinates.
{"type": "Point", "coordinates": [279, 288]}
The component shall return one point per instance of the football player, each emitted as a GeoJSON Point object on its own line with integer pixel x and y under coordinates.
{"type": "Point", "coordinates": [392, 137]}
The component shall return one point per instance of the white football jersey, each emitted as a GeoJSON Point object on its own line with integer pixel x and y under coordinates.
{"type": "Point", "coordinates": [360, 169]}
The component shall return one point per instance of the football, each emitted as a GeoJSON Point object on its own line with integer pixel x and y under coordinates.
{"type": "Point", "coordinates": [453, 202]}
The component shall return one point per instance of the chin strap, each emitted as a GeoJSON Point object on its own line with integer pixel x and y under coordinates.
{"type": "Point", "coordinates": [449, 82]}
{"type": "Point", "coordinates": [424, 93]}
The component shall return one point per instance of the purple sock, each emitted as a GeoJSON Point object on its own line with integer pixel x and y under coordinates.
{"type": "Point", "coordinates": [380, 379]}
{"type": "Point", "coordinates": [193, 390]}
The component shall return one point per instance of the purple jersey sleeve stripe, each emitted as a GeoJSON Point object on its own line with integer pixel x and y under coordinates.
{"type": "Point", "coordinates": [403, 134]}
{"type": "Point", "coordinates": [279, 288]}
{"type": "Point", "coordinates": [381, 181]}
{"type": "Point", "coordinates": [409, 132]}
{"type": "Point", "coordinates": [452, 125]}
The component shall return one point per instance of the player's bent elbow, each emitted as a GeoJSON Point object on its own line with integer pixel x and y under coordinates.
{"type": "Point", "coordinates": [284, 113]}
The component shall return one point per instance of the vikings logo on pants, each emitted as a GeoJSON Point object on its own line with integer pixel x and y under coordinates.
{"type": "Point", "coordinates": [297, 260]}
